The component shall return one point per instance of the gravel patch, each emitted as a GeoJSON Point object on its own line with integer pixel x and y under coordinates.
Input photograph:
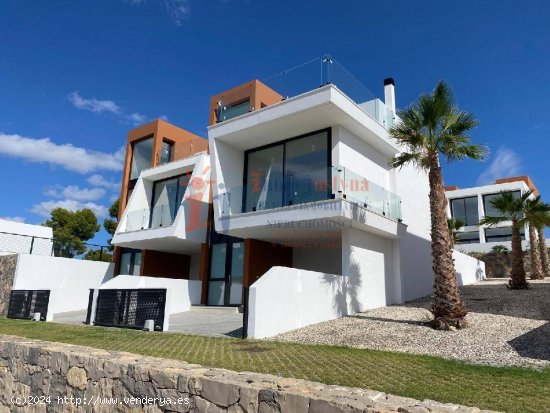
{"type": "Point", "coordinates": [506, 328]}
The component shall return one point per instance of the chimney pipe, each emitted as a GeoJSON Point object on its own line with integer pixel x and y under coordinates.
{"type": "Point", "coordinates": [389, 93]}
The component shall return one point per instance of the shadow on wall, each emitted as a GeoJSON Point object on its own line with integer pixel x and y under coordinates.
{"type": "Point", "coordinates": [345, 291]}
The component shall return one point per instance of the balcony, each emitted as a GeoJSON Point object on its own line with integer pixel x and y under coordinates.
{"type": "Point", "coordinates": [160, 217]}
{"type": "Point", "coordinates": [312, 75]}
{"type": "Point", "coordinates": [336, 195]}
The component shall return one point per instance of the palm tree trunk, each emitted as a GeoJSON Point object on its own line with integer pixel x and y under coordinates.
{"type": "Point", "coordinates": [448, 308]}
{"type": "Point", "coordinates": [517, 281]}
{"type": "Point", "coordinates": [543, 249]}
{"type": "Point", "coordinates": [536, 265]}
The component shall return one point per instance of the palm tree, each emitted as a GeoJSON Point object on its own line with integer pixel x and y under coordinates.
{"type": "Point", "coordinates": [538, 215]}
{"type": "Point", "coordinates": [544, 251]}
{"type": "Point", "coordinates": [429, 129]}
{"type": "Point", "coordinates": [454, 227]}
{"type": "Point", "coordinates": [512, 208]}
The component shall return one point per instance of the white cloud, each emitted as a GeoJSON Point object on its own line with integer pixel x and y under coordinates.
{"type": "Point", "coordinates": [101, 181]}
{"type": "Point", "coordinates": [45, 208]}
{"type": "Point", "coordinates": [14, 219]}
{"type": "Point", "coordinates": [68, 156]}
{"type": "Point", "coordinates": [178, 10]}
{"type": "Point", "coordinates": [94, 105]}
{"type": "Point", "coordinates": [76, 193]}
{"type": "Point", "coordinates": [106, 106]}
{"type": "Point", "coordinates": [505, 163]}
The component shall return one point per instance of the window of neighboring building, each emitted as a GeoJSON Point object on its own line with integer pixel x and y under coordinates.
{"type": "Point", "coordinates": [465, 210]}
{"type": "Point", "coordinates": [468, 237]}
{"type": "Point", "coordinates": [489, 209]}
{"type": "Point", "coordinates": [501, 234]}
{"type": "Point", "coordinates": [232, 111]}
{"type": "Point", "coordinates": [141, 156]}
{"type": "Point", "coordinates": [167, 197]}
{"type": "Point", "coordinates": [130, 262]}
{"type": "Point", "coordinates": [166, 152]}
{"type": "Point", "coordinates": [288, 173]}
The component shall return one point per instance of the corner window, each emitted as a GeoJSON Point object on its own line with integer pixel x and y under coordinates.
{"type": "Point", "coordinates": [465, 210]}
{"type": "Point", "coordinates": [141, 156]}
{"type": "Point", "coordinates": [130, 262]}
{"type": "Point", "coordinates": [166, 152]}
{"type": "Point", "coordinates": [167, 197]}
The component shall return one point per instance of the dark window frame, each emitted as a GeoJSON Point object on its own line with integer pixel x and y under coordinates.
{"type": "Point", "coordinates": [132, 182]}
{"type": "Point", "coordinates": [469, 241]}
{"type": "Point", "coordinates": [483, 196]}
{"type": "Point", "coordinates": [171, 155]}
{"type": "Point", "coordinates": [133, 253]}
{"type": "Point", "coordinates": [507, 238]}
{"type": "Point", "coordinates": [283, 142]}
{"type": "Point", "coordinates": [451, 200]}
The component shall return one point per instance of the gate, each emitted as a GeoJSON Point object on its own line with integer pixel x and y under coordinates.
{"type": "Point", "coordinates": [130, 308]}
{"type": "Point", "coordinates": [24, 303]}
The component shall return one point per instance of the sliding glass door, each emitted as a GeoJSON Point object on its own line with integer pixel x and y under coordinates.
{"type": "Point", "coordinates": [291, 172]}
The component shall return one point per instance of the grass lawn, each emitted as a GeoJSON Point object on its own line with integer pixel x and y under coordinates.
{"type": "Point", "coordinates": [420, 377]}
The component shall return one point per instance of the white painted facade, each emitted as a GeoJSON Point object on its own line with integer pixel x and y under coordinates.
{"type": "Point", "coordinates": [21, 238]}
{"type": "Point", "coordinates": [188, 229]}
{"type": "Point", "coordinates": [69, 280]}
{"type": "Point", "coordinates": [484, 245]}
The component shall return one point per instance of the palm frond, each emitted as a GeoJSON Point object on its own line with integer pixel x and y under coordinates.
{"type": "Point", "coordinates": [492, 221]}
{"type": "Point", "coordinates": [418, 159]}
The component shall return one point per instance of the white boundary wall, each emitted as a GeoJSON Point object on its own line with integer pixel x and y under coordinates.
{"type": "Point", "coordinates": [17, 238]}
{"type": "Point", "coordinates": [468, 269]}
{"type": "Point", "coordinates": [180, 294]}
{"type": "Point", "coordinates": [69, 280]}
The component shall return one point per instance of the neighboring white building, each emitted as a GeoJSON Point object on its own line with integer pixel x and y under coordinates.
{"type": "Point", "coordinates": [470, 205]}
{"type": "Point", "coordinates": [21, 238]}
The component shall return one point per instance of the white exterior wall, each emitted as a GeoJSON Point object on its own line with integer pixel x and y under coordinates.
{"type": "Point", "coordinates": [17, 237]}
{"type": "Point", "coordinates": [468, 269]}
{"type": "Point", "coordinates": [320, 259]}
{"type": "Point", "coordinates": [180, 294]}
{"type": "Point", "coordinates": [69, 280]}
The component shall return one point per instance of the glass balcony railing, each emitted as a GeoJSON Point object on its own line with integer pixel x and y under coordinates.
{"type": "Point", "coordinates": [161, 216]}
{"type": "Point", "coordinates": [326, 70]}
{"type": "Point", "coordinates": [334, 183]}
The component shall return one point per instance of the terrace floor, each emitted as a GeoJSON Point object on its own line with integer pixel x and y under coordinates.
{"type": "Point", "coordinates": [208, 321]}
{"type": "Point", "coordinates": [506, 328]}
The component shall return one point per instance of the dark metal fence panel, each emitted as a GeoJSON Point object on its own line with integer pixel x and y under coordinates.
{"type": "Point", "coordinates": [245, 312]}
{"type": "Point", "coordinates": [130, 308]}
{"type": "Point", "coordinates": [24, 303]}
{"type": "Point", "coordinates": [90, 303]}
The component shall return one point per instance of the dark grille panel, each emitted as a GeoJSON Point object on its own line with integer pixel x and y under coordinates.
{"type": "Point", "coordinates": [23, 303]}
{"type": "Point", "coordinates": [130, 308]}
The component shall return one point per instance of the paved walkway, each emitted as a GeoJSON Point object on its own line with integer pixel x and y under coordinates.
{"type": "Point", "coordinates": [208, 321]}
{"type": "Point", "coordinates": [70, 317]}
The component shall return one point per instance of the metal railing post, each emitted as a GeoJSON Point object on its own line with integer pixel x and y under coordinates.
{"type": "Point", "coordinates": [32, 245]}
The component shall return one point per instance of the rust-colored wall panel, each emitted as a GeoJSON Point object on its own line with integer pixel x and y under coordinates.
{"type": "Point", "coordinates": [259, 95]}
{"type": "Point", "coordinates": [185, 144]}
{"type": "Point", "coordinates": [203, 270]}
{"type": "Point", "coordinates": [165, 264]}
{"type": "Point", "coordinates": [260, 256]}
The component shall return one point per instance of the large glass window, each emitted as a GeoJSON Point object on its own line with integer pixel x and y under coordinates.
{"type": "Point", "coordinates": [465, 210]}
{"type": "Point", "coordinates": [167, 197]}
{"type": "Point", "coordinates": [501, 234]}
{"type": "Point", "coordinates": [142, 151]}
{"type": "Point", "coordinates": [287, 173]}
{"type": "Point", "coordinates": [468, 237]}
{"type": "Point", "coordinates": [166, 152]}
{"type": "Point", "coordinates": [130, 262]}
{"type": "Point", "coordinates": [489, 209]}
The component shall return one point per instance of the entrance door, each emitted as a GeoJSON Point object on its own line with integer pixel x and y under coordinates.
{"type": "Point", "coordinates": [225, 280]}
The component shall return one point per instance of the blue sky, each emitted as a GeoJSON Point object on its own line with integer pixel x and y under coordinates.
{"type": "Point", "coordinates": [76, 76]}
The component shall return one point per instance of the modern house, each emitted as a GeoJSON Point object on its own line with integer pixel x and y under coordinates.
{"type": "Point", "coordinates": [470, 205]}
{"type": "Point", "coordinates": [288, 209]}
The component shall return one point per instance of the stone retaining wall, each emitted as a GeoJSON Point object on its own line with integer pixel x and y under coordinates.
{"type": "Point", "coordinates": [58, 372]}
{"type": "Point", "coordinates": [8, 263]}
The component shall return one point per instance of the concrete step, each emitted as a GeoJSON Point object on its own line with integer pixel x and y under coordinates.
{"type": "Point", "coordinates": [214, 308]}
